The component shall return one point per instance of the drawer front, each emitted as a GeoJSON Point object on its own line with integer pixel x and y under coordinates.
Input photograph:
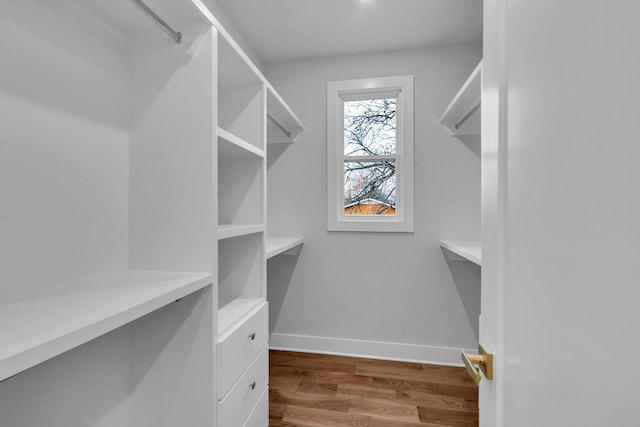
{"type": "Point", "coordinates": [238, 348]}
{"type": "Point", "coordinates": [236, 407]}
{"type": "Point", "coordinates": [260, 415]}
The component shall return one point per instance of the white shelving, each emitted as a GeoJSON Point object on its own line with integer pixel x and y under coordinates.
{"type": "Point", "coordinates": [280, 245]}
{"type": "Point", "coordinates": [242, 116]}
{"type": "Point", "coordinates": [283, 126]}
{"type": "Point", "coordinates": [469, 250]}
{"type": "Point", "coordinates": [41, 326]}
{"type": "Point", "coordinates": [462, 116]}
{"type": "Point", "coordinates": [108, 265]}
{"type": "Point", "coordinates": [230, 145]}
{"type": "Point", "coordinates": [229, 231]}
{"type": "Point", "coordinates": [140, 178]}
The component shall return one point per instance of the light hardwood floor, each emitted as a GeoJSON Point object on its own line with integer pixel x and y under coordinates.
{"type": "Point", "coordinates": [330, 391]}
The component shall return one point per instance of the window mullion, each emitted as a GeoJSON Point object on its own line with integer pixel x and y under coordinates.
{"type": "Point", "coordinates": [372, 158]}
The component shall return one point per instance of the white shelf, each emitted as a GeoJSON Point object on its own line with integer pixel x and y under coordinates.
{"type": "Point", "coordinates": [232, 309]}
{"type": "Point", "coordinates": [279, 245]}
{"type": "Point", "coordinates": [280, 112]}
{"type": "Point", "coordinates": [469, 250]}
{"type": "Point", "coordinates": [38, 327]}
{"type": "Point", "coordinates": [467, 98]}
{"type": "Point", "coordinates": [232, 146]}
{"type": "Point", "coordinates": [232, 230]}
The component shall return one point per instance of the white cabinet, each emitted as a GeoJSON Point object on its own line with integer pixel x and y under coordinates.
{"type": "Point", "coordinates": [132, 221]}
{"type": "Point", "coordinates": [248, 110]}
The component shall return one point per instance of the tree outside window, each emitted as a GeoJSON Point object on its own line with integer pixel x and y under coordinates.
{"type": "Point", "coordinates": [370, 140]}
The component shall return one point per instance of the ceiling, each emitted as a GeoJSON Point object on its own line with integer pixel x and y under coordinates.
{"type": "Point", "coordinates": [283, 30]}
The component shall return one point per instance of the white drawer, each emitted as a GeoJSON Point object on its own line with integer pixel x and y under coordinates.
{"type": "Point", "coordinates": [260, 415]}
{"type": "Point", "coordinates": [236, 407]}
{"type": "Point", "coordinates": [239, 346]}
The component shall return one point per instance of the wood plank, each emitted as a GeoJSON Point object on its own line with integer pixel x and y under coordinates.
{"type": "Point", "coordinates": [468, 392]}
{"type": "Point", "coordinates": [448, 418]}
{"type": "Point", "coordinates": [304, 417]}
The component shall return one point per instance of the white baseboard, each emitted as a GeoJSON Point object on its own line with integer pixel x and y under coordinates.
{"type": "Point", "coordinates": [433, 355]}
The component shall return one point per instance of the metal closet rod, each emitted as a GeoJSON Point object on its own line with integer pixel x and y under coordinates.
{"type": "Point", "coordinates": [175, 35]}
{"type": "Point", "coordinates": [469, 114]}
{"type": "Point", "coordinates": [279, 126]}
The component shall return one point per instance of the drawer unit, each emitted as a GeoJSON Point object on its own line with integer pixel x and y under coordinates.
{"type": "Point", "coordinates": [260, 415]}
{"type": "Point", "coordinates": [239, 346]}
{"type": "Point", "coordinates": [238, 404]}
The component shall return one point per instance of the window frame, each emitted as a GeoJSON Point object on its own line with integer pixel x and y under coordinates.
{"type": "Point", "coordinates": [401, 88]}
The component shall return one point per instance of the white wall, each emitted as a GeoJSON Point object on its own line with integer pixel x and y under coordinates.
{"type": "Point", "coordinates": [63, 156]}
{"type": "Point", "coordinates": [393, 288]}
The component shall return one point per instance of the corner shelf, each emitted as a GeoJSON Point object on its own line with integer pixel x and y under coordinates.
{"type": "Point", "coordinates": [40, 326]}
{"type": "Point", "coordinates": [466, 249]}
{"type": "Point", "coordinates": [281, 245]}
{"type": "Point", "coordinates": [462, 116]}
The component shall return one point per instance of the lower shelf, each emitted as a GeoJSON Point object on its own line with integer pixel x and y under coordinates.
{"type": "Point", "coordinates": [231, 309]}
{"type": "Point", "coordinates": [280, 245]}
{"type": "Point", "coordinates": [234, 230]}
{"type": "Point", "coordinates": [40, 326]}
{"type": "Point", "coordinates": [469, 250]}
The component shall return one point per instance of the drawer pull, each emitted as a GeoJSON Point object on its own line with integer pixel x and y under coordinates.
{"type": "Point", "coordinates": [252, 336]}
{"type": "Point", "coordinates": [252, 386]}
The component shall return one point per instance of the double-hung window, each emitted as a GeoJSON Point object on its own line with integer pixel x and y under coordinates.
{"type": "Point", "coordinates": [370, 154]}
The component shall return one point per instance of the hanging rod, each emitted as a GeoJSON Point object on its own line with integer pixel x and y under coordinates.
{"type": "Point", "coordinates": [469, 114]}
{"type": "Point", "coordinates": [279, 126]}
{"type": "Point", "coordinates": [176, 36]}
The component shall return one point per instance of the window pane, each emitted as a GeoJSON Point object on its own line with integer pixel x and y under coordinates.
{"type": "Point", "coordinates": [370, 188]}
{"type": "Point", "coordinates": [370, 127]}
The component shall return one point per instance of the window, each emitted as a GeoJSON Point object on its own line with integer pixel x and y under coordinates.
{"type": "Point", "coordinates": [370, 154]}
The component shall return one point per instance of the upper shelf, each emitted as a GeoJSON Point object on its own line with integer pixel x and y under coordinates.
{"type": "Point", "coordinates": [279, 245]}
{"type": "Point", "coordinates": [43, 325]}
{"type": "Point", "coordinates": [283, 126]}
{"type": "Point", "coordinates": [462, 116]}
{"type": "Point", "coordinates": [469, 250]}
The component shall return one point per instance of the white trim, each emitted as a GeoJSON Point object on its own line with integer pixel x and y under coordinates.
{"type": "Point", "coordinates": [433, 355]}
{"type": "Point", "coordinates": [338, 91]}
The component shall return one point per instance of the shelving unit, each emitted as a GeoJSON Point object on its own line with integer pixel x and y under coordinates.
{"type": "Point", "coordinates": [282, 245]}
{"type": "Point", "coordinates": [462, 119]}
{"type": "Point", "coordinates": [462, 116]}
{"type": "Point", "coordinates": [468, 250]}
{"type": "Point", "coordinates": [108, 267]}
{"type": "Point", "coordinates": [133, 217]}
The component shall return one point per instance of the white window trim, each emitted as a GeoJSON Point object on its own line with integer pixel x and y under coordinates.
{"type": "Point", "coordinates": [400, 87]}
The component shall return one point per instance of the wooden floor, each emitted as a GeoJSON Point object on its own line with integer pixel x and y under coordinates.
{"type": "Point", "coordinates": [330, 391]}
